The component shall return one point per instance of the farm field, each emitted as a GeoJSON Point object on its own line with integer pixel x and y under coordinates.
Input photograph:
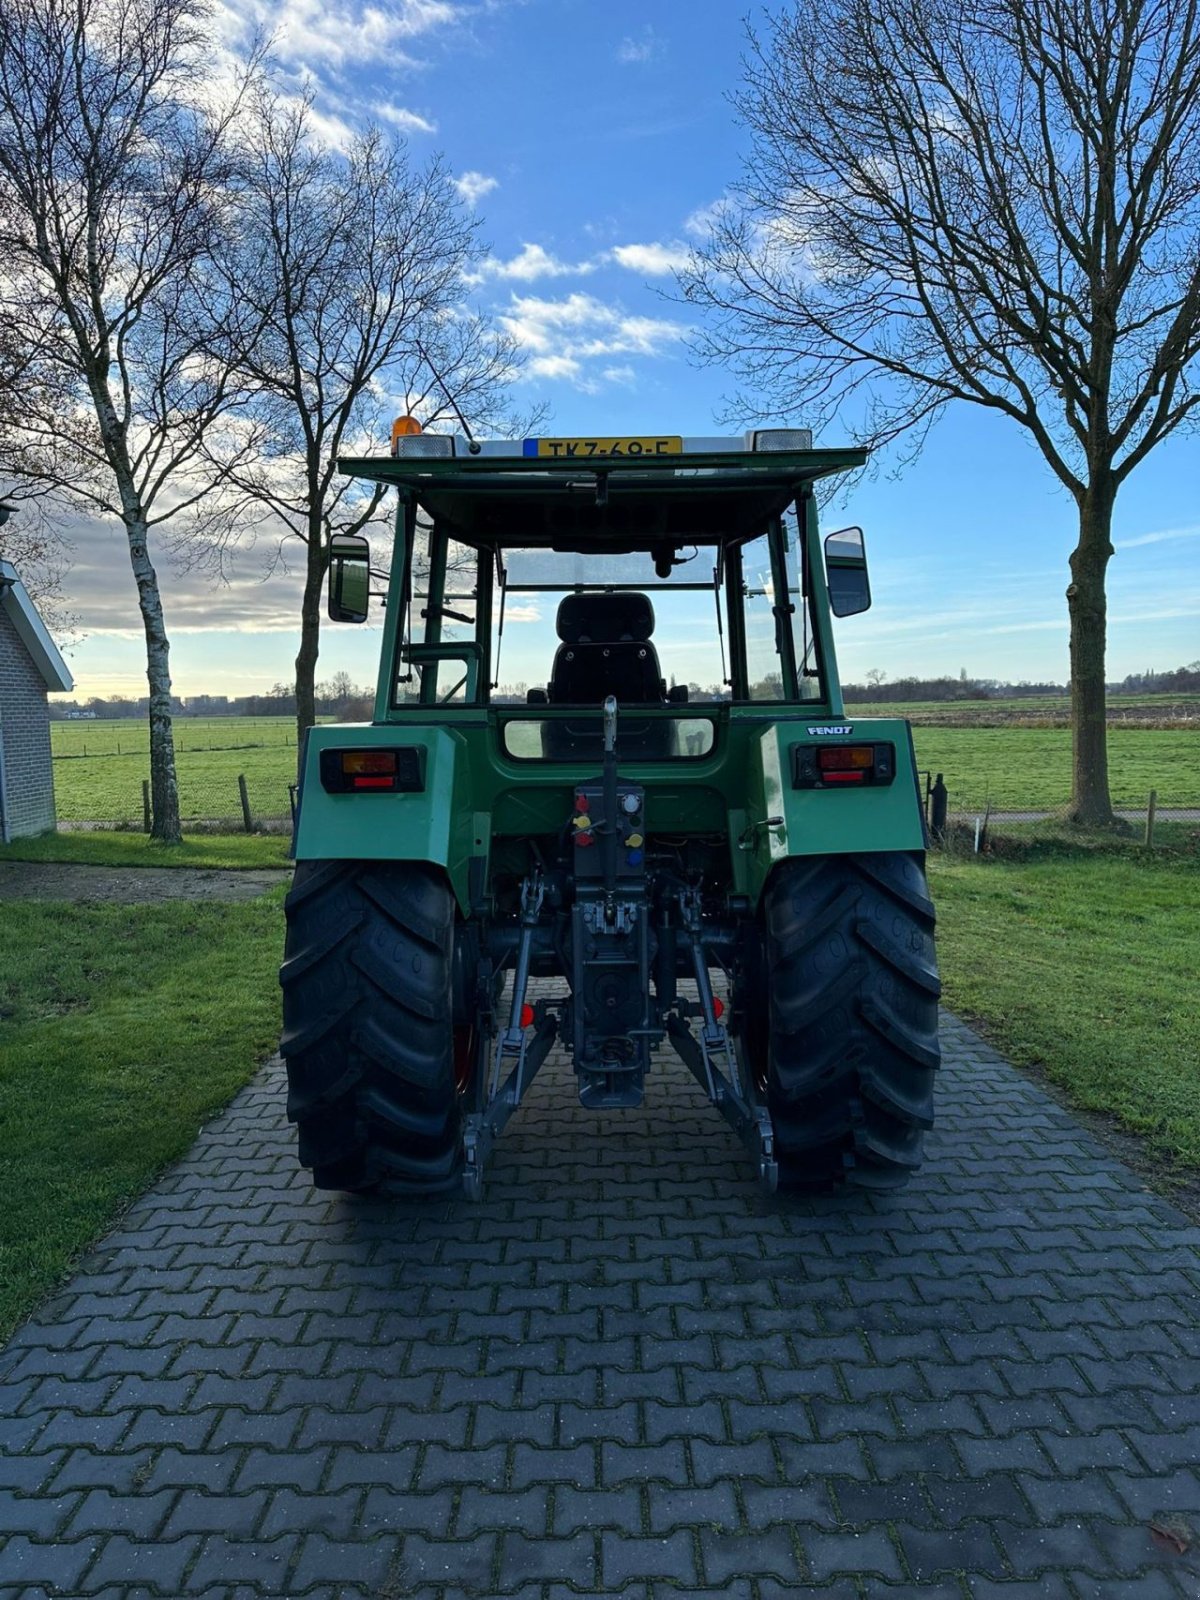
{"type": "Point", "coordinates": [99, 767]}
{"type": "Point", "coordinates": [1047, 711]}
{"type": "Point", "coordinates": [130, 735]}
{"type": "Point", "coordinates": [1021, 769]}
{"type": "Point", "coordinates": [1016, 768]}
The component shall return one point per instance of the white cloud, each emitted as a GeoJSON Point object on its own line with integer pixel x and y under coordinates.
{"type": "Point", "coordinates": [316, 33]}
{"type": "Point", "coordinates": [701, 222]}
{"type": "Point", "coordinates": [534, 261]}
{"type": "Point", "coordinates": [418, 16]}
{"type": "Point", "coordinates": [317, 48]}
{"type": "Point", "coordinates": [1190, 607]}
{"type": "Point", "coordinates": [554, 367]}
{"type": "Point", "coordinates": [400, 117]}
{"type": "Point", "coordinates": [327, 127]}
{"type": "Point", "coordinates": [1157, 538]}
{"type": "Point", "coordinates": [530, 263]}
{"type": "Point", "coordinates": [646, 47]}
{"type": "Point", "coordinates": [472, 186]}
{"type": "Point", "coordinates": [575, 339]}
{"type": "Point", "coordinates": [654, 260]}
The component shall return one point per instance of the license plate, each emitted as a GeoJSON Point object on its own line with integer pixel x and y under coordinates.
{"type": "Point", "coordinates": [582, 449]}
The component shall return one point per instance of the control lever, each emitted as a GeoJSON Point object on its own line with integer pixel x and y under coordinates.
{"type": "Point", "coordinates": [610, 836]}
{"type": "Point", "coordinates": [610, 723]}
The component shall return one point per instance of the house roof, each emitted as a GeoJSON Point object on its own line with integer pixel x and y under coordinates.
{"type": "Point", "coordinates": [19, 608]}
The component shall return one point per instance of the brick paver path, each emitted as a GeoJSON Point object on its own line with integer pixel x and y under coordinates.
{"type": "Point", "coordinates": [628, 1372]}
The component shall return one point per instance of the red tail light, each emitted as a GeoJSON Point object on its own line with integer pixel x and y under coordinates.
{"type": "Point", "coordinates": [396, 769]}
{"type": "Point", "coordinates": [840, 766]}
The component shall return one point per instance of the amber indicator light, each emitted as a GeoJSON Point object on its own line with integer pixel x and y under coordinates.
{"type": "Point", "coordinates": [843, 757]}
{"type": "Point", "coordinates": [359, 762]}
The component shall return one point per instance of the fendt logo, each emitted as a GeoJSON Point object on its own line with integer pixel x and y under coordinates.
{"type": "Point", "coordinates": [827, 733]}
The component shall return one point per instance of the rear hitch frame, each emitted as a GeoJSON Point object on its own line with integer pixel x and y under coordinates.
{"type": "Point", "coordinates": [524, 1047]}
{"type": "Point", "coordinates": [711, 1057]}
{"type": "Point", "coordinates": [481, 1129]}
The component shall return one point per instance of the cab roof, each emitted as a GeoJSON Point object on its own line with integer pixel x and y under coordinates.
{"type": "Point", "coordinates": [702, 496]}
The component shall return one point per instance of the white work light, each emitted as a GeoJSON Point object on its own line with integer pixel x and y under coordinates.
{"type": "Point", "coordinates": [780, 439]}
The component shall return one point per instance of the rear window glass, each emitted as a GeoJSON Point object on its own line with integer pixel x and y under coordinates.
{"type": "Point", "coordinates": [580, 738]}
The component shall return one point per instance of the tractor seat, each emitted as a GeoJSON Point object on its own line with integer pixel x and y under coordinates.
{"type": "Point", "coordinates": [606, 650]}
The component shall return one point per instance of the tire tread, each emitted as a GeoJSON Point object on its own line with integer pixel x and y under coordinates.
{"type": "Point", "coordinates": [851, 984]}
{"type": "Point", "coordinates": [367, 1028]}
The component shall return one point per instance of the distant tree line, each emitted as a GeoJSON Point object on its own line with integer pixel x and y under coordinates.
{"type": "Point", "coordinates": [1180, 680]}
{"type": "Point", "coordinates": [339, 697]}
{"type": "Point", "coordinates": [960, 688]}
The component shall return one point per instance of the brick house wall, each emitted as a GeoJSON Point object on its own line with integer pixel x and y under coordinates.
{"type": "Point", "coordinates": [28, 788]}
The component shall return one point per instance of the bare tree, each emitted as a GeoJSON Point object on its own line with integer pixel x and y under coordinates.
{"type": "Point", "coordinates": [113, 185]}
{"type": "Point", "coordinates": [350, 268]}
{"type": "Point", "coordinates": [998, 204]}
{"type": "Point", "coordinates": [33, 544]}
{"type": "Point", "coordinates": [30, 535]}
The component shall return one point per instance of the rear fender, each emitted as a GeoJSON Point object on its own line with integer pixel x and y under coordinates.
{"type": "Point", "coordinates": [433, 824]}
{"type": "Point", "coordinates": [782, 820]}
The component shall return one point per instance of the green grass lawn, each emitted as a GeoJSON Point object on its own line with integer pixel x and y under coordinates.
{"type": "Point", "coordinates": [1085, 964]}
{"type": "Point", "coordinates": [122, 1028]}
{"type": "Point", "coordinates": [106, 849]}
{"type": "Point", "coordinates": [109, 788]}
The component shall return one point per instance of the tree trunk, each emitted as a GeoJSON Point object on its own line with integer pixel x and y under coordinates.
{"type": "Point", "coordinates": [164, 786]}
{"type": "Point", "coordinates": [310, 639]}
{"type": "Point", "coordinates": [1088, 607]}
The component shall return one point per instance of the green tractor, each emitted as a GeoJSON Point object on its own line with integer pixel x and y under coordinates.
{"type": "Point", "coordinates": [668, 814]}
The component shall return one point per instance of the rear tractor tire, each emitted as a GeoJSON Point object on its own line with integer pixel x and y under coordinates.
{"type": "Point", "coordinates": [368, 1033]}
{"type": "Point", "coordinates": [840, 1012]}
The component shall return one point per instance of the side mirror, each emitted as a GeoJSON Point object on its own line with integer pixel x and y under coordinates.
{"type": "Point", "coordinates": [846, 572]}
{"type": "Point", "coordinates": [349, 578]}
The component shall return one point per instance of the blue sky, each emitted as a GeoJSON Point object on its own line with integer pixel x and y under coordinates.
{"type": "Point", "coordinates": [591, 141]}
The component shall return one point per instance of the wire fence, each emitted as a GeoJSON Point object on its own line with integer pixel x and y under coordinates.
{"type": "Point", "coordinates": [234, 773]}
{"type": "Point", "coordinates": [227, 802]}
{"type": "Point", "coordinates": [98, 793]}
{"type": "Point", "coordinates": [981, 822]}
{"type": "Point", "coordinates": [1166, 807]}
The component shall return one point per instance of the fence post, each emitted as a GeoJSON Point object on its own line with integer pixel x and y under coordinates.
{"type": "Point", "coordinates": [1150, 811]}
{"type": "Point", "coordinates": [247, 819]}
{"type": "Point", "coordinates": [146, 805]}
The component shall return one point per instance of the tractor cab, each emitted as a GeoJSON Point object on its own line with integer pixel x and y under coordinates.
{"type": "Point", "coordinates": [663, 572]}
